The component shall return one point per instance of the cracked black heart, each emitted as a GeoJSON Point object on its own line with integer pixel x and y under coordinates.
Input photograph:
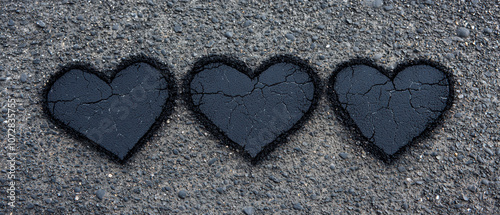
{"type": "Point", "coordinates": [252, 111]}
{"type": "Point", "coordinates": [116, 114]}
{"type": "Point", "coordinates": [391, 110]}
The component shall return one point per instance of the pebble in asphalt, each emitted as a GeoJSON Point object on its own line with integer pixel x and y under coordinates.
{"type": "Point", "coordinates": [182, 194]}
{"type": "Point", "coordinates": [41, 24]}
{"type": "Point", "coordinates": [249, 210]}
{"type": "Point", "coordinates": [100, 193]}
{"type": "Point", "coordinates": [463, 32]}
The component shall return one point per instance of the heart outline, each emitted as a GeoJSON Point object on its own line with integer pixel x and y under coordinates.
{"type": "Point", "coordinates": [108, 76]}
{"type": "Point", "coordinates": [243, 68]}
{"type": "Point", "coordinates": [348, 122]}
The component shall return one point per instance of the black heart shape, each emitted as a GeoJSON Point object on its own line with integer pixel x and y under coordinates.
{"type": "Point", "coordinates": [116, 113]}
{"type": "Point", "coordinates": [390, 111]}
{"type": "Point", "coordinates": [252, 111]}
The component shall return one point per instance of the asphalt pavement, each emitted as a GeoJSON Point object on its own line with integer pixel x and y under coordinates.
{"type": "Point", "coordinates": [321, 168]}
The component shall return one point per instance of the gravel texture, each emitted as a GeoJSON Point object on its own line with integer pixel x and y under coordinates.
{"type": "Point", "coordinates": [320, 170]}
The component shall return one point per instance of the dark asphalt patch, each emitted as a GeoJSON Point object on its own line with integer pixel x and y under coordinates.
{"type": "Point", "coordinates": [116, 113]}
{"type": "Point", "coordinates": [252, 111]}
{"type": "Point", "coordinates": [391, 110]}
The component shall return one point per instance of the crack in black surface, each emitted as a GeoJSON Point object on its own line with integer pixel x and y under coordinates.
{"type": "Point", "coordinates": [391, 111]}
{"type": "Point", "coordinates": [252, 111]}
{"type": "Point", "coordinates": [117, 114]}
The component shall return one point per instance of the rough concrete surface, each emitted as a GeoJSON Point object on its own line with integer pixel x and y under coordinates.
{"type": "Point", "coordinates": [183, 169]}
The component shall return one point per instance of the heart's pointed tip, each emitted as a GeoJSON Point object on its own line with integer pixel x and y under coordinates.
{"type": "Point", "coordinates": [253, 155]}
{"type": "Point", "coordinates": [255, 160]}
{"type": "Point", "coordinates": [119, 156]}
{"type": "Point", "coordinates": [122, 161]}
{"type": "Point", "coordinates": [122, 157]}
{"type": "Point", "coordinates": [388, 155]}
{"type": "Point", "coordinates": [389, 152]}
